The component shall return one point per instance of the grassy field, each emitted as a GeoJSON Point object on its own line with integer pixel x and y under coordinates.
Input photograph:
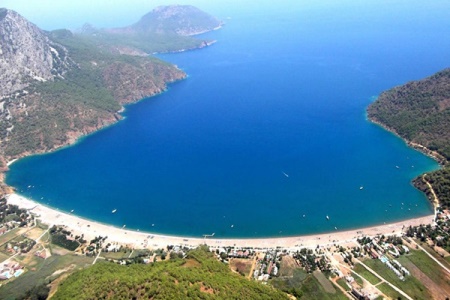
{"type": "Point", "coordinates": [34, 233]}
{"type": "Point", "coordinates": [307, 285]}
{"type": "Point", "coordinates": [3, 256]}
{"type": "Point", "coordinates": [312, 289]}
{"type": "Point", "coordinates": [324, 282]}
{"type": "Point", "coordinates": [343, 283]}
{"type": "Point", "coordinates": [358, 280]}
{"type": "Point", "coordinates": [124, 255]}
{"type": "Point", "coordinates": [366, 274]}
{"type": "Point", "coordinates": [287, 266]}
{"type": "Point", "coordinates": [436, 255]}
{"type": "Point", "coordinates": [411, 285]}
{"type": "Point", "coordinates": [428, 266]}
{"type": "Point", "coordinates": [242, 266]}
{"type": "Point", "coordinates": [8, 236]}
{"type": "Point", "coordinates": [390, 292]}
{"type": "Point", "coordinates": [40, 271]}
{"type": "Point", "coordinates": [115, 255]}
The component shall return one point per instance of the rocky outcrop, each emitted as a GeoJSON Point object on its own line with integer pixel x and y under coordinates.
{"type": "Point", "coordinates": [27, 54]}
{"type": "Point", "coordinates": [131, 82]}
{"type": "Point", "coordinates": [49, 99]}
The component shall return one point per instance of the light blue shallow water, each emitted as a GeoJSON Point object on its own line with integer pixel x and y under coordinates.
{"type": "Point", "coordinates": [283, 92]}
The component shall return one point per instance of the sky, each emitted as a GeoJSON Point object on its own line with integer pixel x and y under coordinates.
{"type": "Point", "coordinates": [69, 14]}
{"type": "Point", "coordinates": [57, 14]}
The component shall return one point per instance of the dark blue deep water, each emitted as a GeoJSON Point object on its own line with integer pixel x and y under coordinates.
{"type": "Point", "coordinates": [269, 126]}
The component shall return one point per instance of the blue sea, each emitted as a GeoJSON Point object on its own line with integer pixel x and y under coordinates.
{"type": "Point", "coordinates": [268, 135]}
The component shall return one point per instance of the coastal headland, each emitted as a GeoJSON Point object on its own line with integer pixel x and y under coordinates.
{"type": "Point", "coordinates": [136, 239]}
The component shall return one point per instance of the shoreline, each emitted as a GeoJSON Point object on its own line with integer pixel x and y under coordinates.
{"type": "Point", "coordinates": [141, 239]}
{"type": "Point", "coordinates": [418, 147]}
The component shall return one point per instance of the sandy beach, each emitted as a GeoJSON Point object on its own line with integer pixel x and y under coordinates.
{"type": "Point", "coordinates": [138, 239]}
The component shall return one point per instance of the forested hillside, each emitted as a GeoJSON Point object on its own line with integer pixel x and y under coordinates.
{"type": "Point", "coordinates": [75, 83]}
{"type": "Point", "coordinates": [419, 112]}
{"type": "Point", "coordinates": [199, 276]}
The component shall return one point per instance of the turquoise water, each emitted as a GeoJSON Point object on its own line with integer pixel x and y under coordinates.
{"type": "Point", "coordinates": [266, 137]}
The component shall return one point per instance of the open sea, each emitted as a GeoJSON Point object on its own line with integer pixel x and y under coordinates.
{"type": "Point", "coordinates": [268, 135]}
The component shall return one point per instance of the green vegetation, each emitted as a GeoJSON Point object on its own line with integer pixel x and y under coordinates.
{"type": "Point", "coordinates": [86, 99]}
{"type": "Point", "coordinates": [440, 181]}
{"type": "Point", "coordinates": [412, 286]}
{"type": "Point", "coordinates": [305, 286]}
{"type": "Point", "coordinates": [366, 274]}
{"type": "Point", "coordinates": [39, 272]}
{"type": "Point", "coordinates": [199, 276]}
{"type": "Point", "coordinates": [12, 216]}
{"type": "Point", "coordinates": [390, 292]}
{"type": "Point", "coordinates": [427, 265]}
{"type": "Point", "coordinates": [437, 234]}
{"type": "Point", "coordinates": [145, 42]}
{"type": "Point", "coordinates": [165, 29]}
{"type": "Point", "coordinates": [343, 283]}
{"type": "Point", "coordinates": [312, 289]}
{"type": "Point", "coordinates": [8, 236]}
{"type": "Point", "coordinates": [61, 237]}
{"type": "Point", "coordinates": [419, 112]}
{"type": "Point", "coordinates": [62, 241]}
{"type": "Point", "coordinates": [106, 69]}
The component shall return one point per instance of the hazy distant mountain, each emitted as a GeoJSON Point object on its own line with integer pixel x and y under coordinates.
{"type": "Point", "coordinates": [27, 54]}
{"type": "Point", "coordinates": [179, 19]}
{"type": "Point", "coordinates": [164, 29]}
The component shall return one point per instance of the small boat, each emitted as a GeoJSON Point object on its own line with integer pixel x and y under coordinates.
{"type": "Point", "coordinates": [361, 187]}
{"type": "Point", "coordinates": [72, 211]}
{"type": "Point", "coordinates": [124, 226]}
{"type": "Point", "coordinates": [114, 211]}
{"type": "Point", "coordinates": [232, 226]}
{"type": "Point", "coordinates": [328, 218]}
{"type": "Point", "coordinates": [397, 167]}
{"type": "Point", "coordinates": [285, 174]}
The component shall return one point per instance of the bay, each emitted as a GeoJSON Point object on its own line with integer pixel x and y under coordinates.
{"type": "Point", "coordinates": [266, 137]}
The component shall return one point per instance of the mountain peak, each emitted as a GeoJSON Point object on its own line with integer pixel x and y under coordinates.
{"type": "Point", "coordinates": [179, 19]}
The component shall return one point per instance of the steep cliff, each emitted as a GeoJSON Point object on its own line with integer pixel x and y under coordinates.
{"type": "Point", "coordinates": [57, 86]}
{"type": "Point", "coordinates": [27, 54]}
